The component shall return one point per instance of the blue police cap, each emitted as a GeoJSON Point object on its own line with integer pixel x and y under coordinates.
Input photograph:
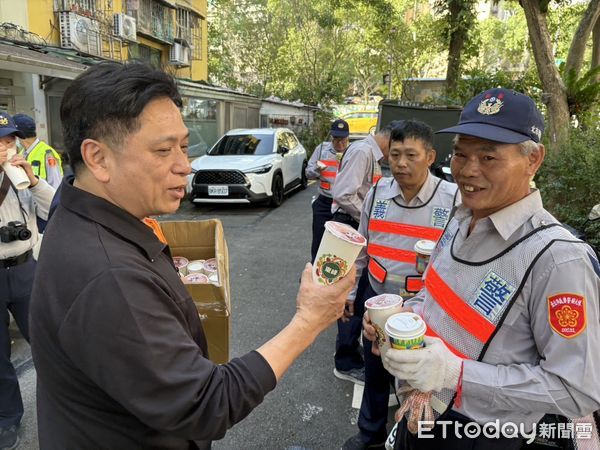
{"type": "Point", "coordinates": [339, 128]}
{"type": "Point", "coordinates": [7, 126]}
{"type": "Point", "coordinates": [500, 115]}
{"type": "Point", "coordinates": [24, 123]}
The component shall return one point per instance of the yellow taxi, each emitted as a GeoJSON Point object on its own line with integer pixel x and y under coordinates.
{"type": "Point", "coordinates": [361, 122]}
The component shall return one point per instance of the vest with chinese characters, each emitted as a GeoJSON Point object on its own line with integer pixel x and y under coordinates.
{"type": "Point", "coordinates": [466, 302]}
{"type": "Point", "coordinates": [327, 156]}
{"type": "Point", "coordinates": [394, 229]}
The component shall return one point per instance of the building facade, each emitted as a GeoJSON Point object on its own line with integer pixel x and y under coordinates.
{"type": "Point", "coordinates": [44, 44]}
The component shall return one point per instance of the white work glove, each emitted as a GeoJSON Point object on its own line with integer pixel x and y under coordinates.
{"type": "Point", "coordinates": [431, 368]}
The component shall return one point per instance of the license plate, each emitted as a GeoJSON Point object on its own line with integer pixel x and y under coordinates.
{"type": "Point", "coordinates": [218, 190]}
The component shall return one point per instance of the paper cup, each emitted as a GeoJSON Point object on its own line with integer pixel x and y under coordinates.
{"type": "Point", "coordinates": [338, 250]}
{"type": "Point", "coordinates": [195, 278]}
{"type": "Point", "coordinates": [406, 331]}
{"type": "Point", "coordinates": [195, 266]}
{"type": "Point", "coordinates": [181, 263]}
{"type": "Point", "coordinates": [210, 267]}
{"type": "Point", "coordinates": [423, 248]}
{"type": "Point", "coordinates": [380, 308]}
{"type": "Point", "coordinates": [17, 175]}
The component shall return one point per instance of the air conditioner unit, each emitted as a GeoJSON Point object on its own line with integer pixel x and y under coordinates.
{"type": "Point", "coordinates": [79, 33]}
{"type": "Point", "coordinates": [179, 55]}
{"type": "Point", "coordinates": [124, 27]}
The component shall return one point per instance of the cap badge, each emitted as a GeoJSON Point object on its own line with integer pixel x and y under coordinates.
{"type": "Point", "coordinates": [490, 105]}
{"type": "Point", "coordinates": [3, 120]}
{"type": "Point", "coordinates": [535, 130]}
{"type": "Point", "coordinates": [340, 125]}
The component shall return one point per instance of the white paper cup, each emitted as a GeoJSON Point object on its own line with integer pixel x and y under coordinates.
{"type": "Point", "coordinates": [406, 331]}
{"type": "Point", "coordinates": [196, 266]}
{"type": "Point", "coordinates": [195, 278]}
{"type": "Point", "coordinates": [380, 308]}
{"type": "Point", "coordinates": [181, 263]}
{"type": "Point", "coordinates": [17, 175]}
{"type": "Point", "coordinates": [338, 250]}
{"type": "Point", "coordinates": [423, 249]}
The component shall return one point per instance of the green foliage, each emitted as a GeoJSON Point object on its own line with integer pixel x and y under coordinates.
{"type": "Point", "coordinates": [569, 181]}
{"type": "Point", "coordinates": [583, 93]}
{"type": "Point", "coordinates": [312, 136]}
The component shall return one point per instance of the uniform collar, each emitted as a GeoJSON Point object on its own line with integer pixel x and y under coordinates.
{"type": "Point", "coordinates": [111, 217]}
{"type": "Point", "coordinates": [509, 219]}
{"type": "Point", "coordinates": [423, 195]}
{"type": "Point", "coordinates": [377, 153]}
{"type": "Point", "coordinates": [30, 148]}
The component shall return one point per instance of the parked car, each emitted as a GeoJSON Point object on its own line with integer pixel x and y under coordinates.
{"type": "Point", "coordinates": [361, 122]}
{"type": "Point", "coordinates": [248, 166]}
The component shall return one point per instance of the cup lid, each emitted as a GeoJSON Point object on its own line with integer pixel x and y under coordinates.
{"type": "Point", "coordinates": [210, 264]}
{"type": "Point", "coordinates": [383, 301]}
{"type": "Point", "coordinates": [425, 247]}
{"type": "Point", "coordinates": [405, 323]}
{"type": "Point", "coordinates": [180, 261]}
{"type": "Point", "coordinates": [197, 264]}
{"type": "Point", "coordinates": [195, 278]}
{"type": "Point", "coordinates": [346, 233]}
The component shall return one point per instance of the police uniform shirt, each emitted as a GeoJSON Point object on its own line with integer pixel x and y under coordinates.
{"type": "Point", "coordinates": [22, 205]}
{"type": "Point", "coordinates": [355, 176]}
{"type": "Point", "coordinates": [389, 189]}
{"type": "Point", "coordinates": [530, 368]}
{"type": "Point", "coordinates": [119, 350]}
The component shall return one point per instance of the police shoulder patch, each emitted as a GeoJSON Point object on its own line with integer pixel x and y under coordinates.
{"type": "Point", "coordinates": [566, 314]}
{"type": "Point", "coordinates": [380, 209]}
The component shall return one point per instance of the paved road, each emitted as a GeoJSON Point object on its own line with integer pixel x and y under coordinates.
{"type": "Point", "coordinates": [268, 248]}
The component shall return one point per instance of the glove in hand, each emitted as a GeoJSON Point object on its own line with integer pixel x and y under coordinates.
{"type": "Point", "coordinates": [431, 368]}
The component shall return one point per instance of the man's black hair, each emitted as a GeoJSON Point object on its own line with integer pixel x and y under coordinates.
{"type": "Point", "coordinates": [413, 129]}
{"type": "Point", "coordinates": [105, 102]}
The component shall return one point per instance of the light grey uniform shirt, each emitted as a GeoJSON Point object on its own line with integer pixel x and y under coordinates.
{"type": "Point", "coordinates": [529, 369]}
{"type": "Point", "coordinates": [355, 177]}
{"type": "Point", "coordinates": [33, 201]}
{"type": "Point", "coordinates": [391, 190]}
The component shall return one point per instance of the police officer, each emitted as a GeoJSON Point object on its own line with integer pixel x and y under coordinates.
{"type": "Point", "coordinates": [18, 235]}
{"type": "Point", "coordinates": [510, 298]}
{"type": "Point", "coordinates": [359, 170]}
{"type": "Point", "coordinates": [44, 160]}
{"type": "Point", "coordinates": [323, 165]}
{"type": "Point", "coordinates": [398, 211]}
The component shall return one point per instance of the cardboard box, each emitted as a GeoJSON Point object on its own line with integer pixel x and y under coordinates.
{"type": "Point", "coordinates": [204, 239]}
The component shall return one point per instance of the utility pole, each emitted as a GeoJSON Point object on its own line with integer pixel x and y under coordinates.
{"type": "Point", "coordinates": [391, 60]}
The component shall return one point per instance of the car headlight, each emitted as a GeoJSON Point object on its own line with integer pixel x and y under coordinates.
{"type": "Point", "coordinates": [261, 169]}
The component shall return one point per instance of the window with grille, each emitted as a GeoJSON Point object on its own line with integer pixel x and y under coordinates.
{"type": "Point", "coordinates": [76, 5]}
{"type": "Point", "coordinates": [196, 41]}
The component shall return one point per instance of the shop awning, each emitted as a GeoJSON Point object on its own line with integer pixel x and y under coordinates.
{"type": "Point", "coordinates": [20, 59]}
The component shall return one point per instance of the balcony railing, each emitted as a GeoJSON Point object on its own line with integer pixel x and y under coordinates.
{"type": "Point", "coordinates": [154, 20]}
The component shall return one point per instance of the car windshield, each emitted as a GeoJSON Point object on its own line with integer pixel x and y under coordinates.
{"type": "Point", "coordinates": [243, 144]}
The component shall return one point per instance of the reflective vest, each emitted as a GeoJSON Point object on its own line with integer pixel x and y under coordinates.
{"type": "Point", "coordinates": [45, 162]}
{"type": "Point", "coordinates": [393, 231]}
{"type": "Point", "coordinates": [327, 175]}
{"type": "Point", "coordinates": [466, 302]}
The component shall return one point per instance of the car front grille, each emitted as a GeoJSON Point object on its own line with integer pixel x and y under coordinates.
{"type": "Point", "coordinates": [219, 177]}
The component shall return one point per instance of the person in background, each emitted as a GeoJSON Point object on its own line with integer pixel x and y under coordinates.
{"type": "Point", "coordinates": [323, 165]}
{"type": "Point", "coordinates": [359, 171]}
{"type": "Point", "coordinates": [511, 298]}
{"type": "Point", "coordinates": [118, 347]}
{"type": "Point", "coordinates": [398, 211]}
{"type": "Point", "coordinates": [18, 236]}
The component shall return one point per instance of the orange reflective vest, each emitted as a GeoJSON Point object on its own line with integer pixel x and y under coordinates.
{"type": "Point", "coordinates": [394, 229]}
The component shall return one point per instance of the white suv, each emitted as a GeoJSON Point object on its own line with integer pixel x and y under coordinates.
{"type": "Point", "coordinates": [250, 165]}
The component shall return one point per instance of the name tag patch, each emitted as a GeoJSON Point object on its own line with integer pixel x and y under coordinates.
{"type": "Point", "coordinates": [492, 296]}
{"type": "Point", "coordinates": [380, 209]}
{"type": "Point", "coordinates": [439, 216]}
{"type": "Point", "coordinates": [566, 314]}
